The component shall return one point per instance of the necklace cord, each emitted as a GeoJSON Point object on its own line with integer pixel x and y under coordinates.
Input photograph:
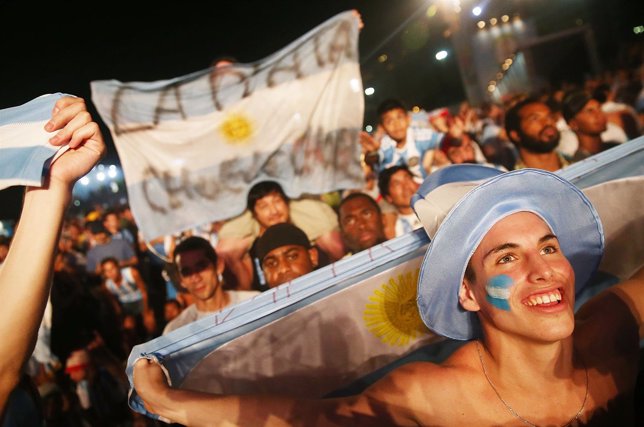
{"type": "Point", "coordinates": [512, 411]}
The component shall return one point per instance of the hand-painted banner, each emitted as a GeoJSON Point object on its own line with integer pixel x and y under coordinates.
{"type": "Point", "coordinates": [191, 147]}
{"type": "Point", "coordinates": [329, 329]}
{"type": "Point", "coordinates": [25, 151]}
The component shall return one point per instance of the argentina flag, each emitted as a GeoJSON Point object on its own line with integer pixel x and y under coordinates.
{"type": "Point", "coordinates": [191, 146]}
{"type": "Point", "coordinates": [336, 330]}
{"type": "Point", "coordinates": [25, 151]}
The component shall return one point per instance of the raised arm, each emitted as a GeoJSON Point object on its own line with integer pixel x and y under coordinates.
{"type": "Point", "coordinates": [26, 273]}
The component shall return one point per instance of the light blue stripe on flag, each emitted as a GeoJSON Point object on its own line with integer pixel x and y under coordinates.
{"type": "Point", "coordinates": [24, 164]}
{"type": "Point", "coordinates": [25, 152]}
{"type": "Point", "coordinates": [36, 110]}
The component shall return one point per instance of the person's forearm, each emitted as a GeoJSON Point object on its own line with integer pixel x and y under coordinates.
{"type": "Point", "coordinates": [202, 409]}
{"type": "Point", "coordinates": [26, 273]}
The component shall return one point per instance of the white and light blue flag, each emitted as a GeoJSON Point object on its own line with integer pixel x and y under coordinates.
{"type": "Point", "coordinates": [25, 151]}
{"type": "Point", "coordinates": [335, 330]}
{"type": "Point", "coordinates": [191, 146]}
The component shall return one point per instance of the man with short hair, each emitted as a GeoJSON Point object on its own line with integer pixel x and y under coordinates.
{"type": "Point", "coordinates": [361, 222]}
{"type": "Point", "coordinates": [397, 186]}
{"type": "Point", "coordinates": [200, 273]}
{"type": "Point", "coordinates": [502, 270]}
{"type": "Point", "coordinates": [587, 120]}
{"type": "Point", "coordinates": [285, 253]}
{"type": "Point", "coordinates": [402, 144]}
{"type": "Point", "coordinates": [531, 126]}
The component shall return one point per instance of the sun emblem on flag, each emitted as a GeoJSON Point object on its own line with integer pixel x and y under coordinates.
{"type": "Point", "coordinates": [392, 314]}
{"type": "Point", "coordinates": [236, 128]}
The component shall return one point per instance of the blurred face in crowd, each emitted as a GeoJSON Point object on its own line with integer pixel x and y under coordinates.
{"type": "Point", "coordinates": [111, 271]}
{"type": "Point", "coordinates": [401, 188]}
{"type": "Point", "coordinates": [288, 263]}
{"type": "Point", "coordinates": [538, 131]}
{"type": "Point", "coordinates": [361, 224]}
{"type": "Point", "coordinates": [111, 222]}
{"type": "Point", "coordinates": [270, 210]}
{"type": "Point", "coordinates": [591, 120]}
{"type": "Point", "coordinates": [171, 310]}
{"type": "Point", "coordinates": [395, 122]}
{"type": "Point", "coordinates": [198, 274]}
{"type": "Point", "coordinates": [463, 153]}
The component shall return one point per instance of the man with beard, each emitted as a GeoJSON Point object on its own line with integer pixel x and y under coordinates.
{"type": "Point", "coordinates": [531, 126]}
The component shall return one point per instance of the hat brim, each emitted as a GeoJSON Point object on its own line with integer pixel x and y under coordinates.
{"type": "Point", "coordinates": [563, 207]}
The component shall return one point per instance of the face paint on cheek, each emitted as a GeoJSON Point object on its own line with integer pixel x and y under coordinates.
{"type": "Point", "coordinates": [498, 291]}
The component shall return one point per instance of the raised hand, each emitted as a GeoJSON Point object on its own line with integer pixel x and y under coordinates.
{"type": "Point", "coordinates": [83, 137]}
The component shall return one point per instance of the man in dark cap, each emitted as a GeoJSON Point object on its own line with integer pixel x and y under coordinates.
{"type": "Point", "coordinates": [587, 120]}
{"type": "Point", "coordinates": [285, 254]}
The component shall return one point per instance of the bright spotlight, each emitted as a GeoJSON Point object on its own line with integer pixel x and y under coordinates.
{"type": "Point", "coordinates": [441, 54]}
{"type": "Point", "coordinates": [477, 11]}
{"type": "Point", "coordinates": [100, 176]}
{"type": "Point", "coordinates": [369, 91]}
{"type": "Point", "coordinates": [111, 173]}
{"type": "Point", "coordinates": [84, 180]}
{"type": "Point", "coordinates": [368, 128]}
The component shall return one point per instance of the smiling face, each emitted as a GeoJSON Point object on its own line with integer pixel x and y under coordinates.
{"type": "Point", "coordinates": [401, 189]}
{"type": "Point", "coordinates": [521, 281]}
{"type": "Point", "coordinates": [271, 209]}
{"type": "Point", "coordinates": [198, 275]}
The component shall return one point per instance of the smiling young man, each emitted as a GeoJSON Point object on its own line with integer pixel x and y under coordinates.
{"type": "Point", "coordinates": [200, 273]}
{"type": "Point", "coordinates": [502, 271]}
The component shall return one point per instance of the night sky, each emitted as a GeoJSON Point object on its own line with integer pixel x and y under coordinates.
{"type": "Point", "coordinates": [60, 46]}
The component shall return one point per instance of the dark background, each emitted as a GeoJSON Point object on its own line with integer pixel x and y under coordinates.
{"type": "Point", "coordinates": [62, 46]}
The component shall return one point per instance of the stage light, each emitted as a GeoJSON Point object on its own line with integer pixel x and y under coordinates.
{"type": "Point", "coordinates": [368, 128]}
{"type": "Point", "coordinates": [441, 54]}
{"type": "Point", "coordinates": [84, 180]}
{"type": "Point", "coordinates": [481, 24]}
{"type": "Point", "coordinates": [100, 176]}
{"type": "Point", "coordinates": [369, 91]}
{"type": "Point", "coordinates": [477, 11]}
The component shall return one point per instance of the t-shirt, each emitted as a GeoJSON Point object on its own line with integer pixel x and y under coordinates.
{"type": "Point", "coordinates": [407, 223]}
{"type": "Point", "coordinates": [418, 142]}
{"type": "Point", "coordinates": [314, 217]}
{"type": "Point", "coordinates": [191, 314]}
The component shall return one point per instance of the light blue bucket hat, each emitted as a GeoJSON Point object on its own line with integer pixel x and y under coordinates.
{"type": "Point", "coordinates": [459, 204]}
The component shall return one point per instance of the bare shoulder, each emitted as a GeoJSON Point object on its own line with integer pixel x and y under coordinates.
{"type": "Point", "coordinates": [610, 322]}
{"type": "Point", "coordinates": [423, 392]}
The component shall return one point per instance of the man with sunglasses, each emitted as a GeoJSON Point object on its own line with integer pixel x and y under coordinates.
{"type": "Point", "coordinates": [200, 273]}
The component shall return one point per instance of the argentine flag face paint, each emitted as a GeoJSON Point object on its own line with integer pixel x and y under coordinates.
{"type": "Point", "coordinates": [498, 291]}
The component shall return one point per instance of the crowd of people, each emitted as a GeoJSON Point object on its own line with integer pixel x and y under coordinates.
{"type": "Point", "coordinates": [112, 290]}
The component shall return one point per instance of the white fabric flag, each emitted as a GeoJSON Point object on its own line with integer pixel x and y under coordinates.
{"type": "Point", "coordinates": [25, 151]}
{"type": "Point", "coordinates": [191, 147]}
{"type": "Point", "coordinates": [327, 330]}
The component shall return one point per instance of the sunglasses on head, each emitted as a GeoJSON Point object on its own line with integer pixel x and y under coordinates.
{"type": "Point", "coordinates": [197, 268]}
